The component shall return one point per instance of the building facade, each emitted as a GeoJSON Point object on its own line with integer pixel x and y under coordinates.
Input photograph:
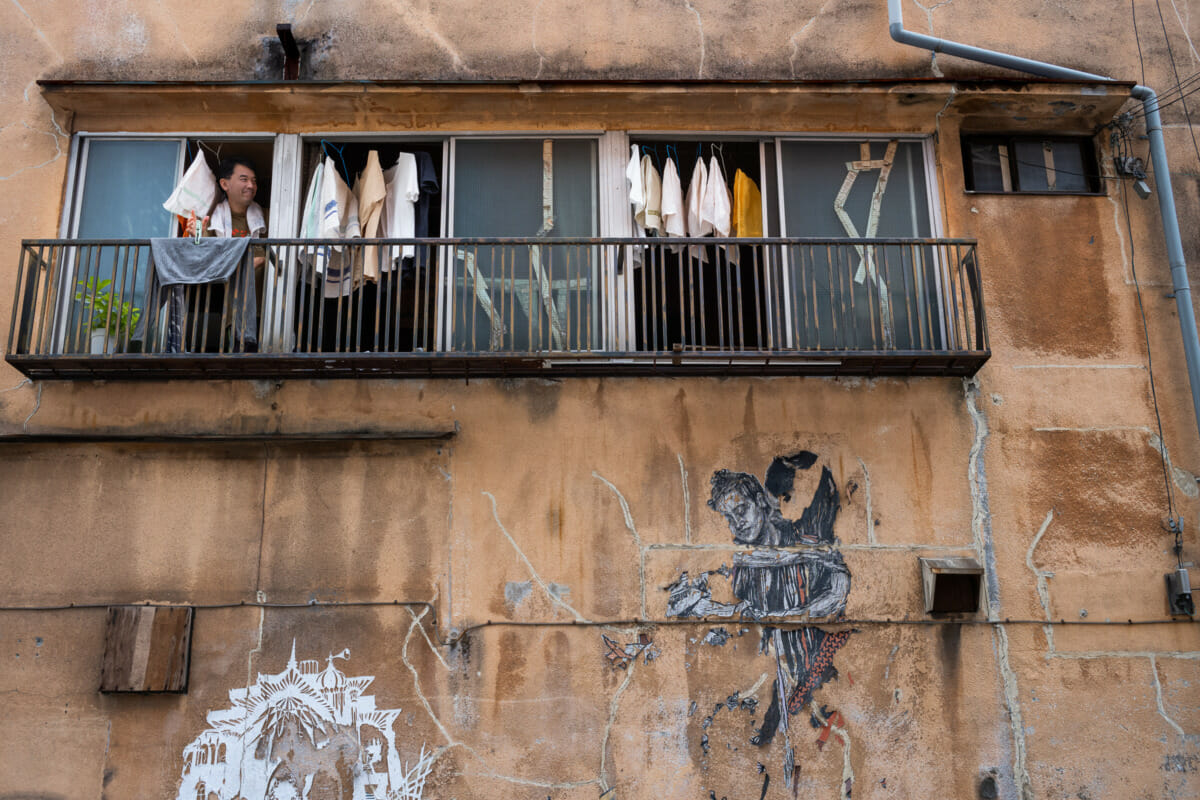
{"type": "Point", "coordinates": [874, 497]}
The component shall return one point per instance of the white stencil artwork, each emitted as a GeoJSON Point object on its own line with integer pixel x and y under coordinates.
{"type": "Point", "coordinates": [303, 734]}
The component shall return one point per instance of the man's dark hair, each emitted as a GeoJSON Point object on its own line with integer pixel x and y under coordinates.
{"type": "Point", "coordinates": [227, 165]}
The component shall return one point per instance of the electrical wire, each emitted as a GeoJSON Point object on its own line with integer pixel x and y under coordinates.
{"type": "Point", "coordinates": [1175, 70]}
{"type": "Point", "coordinates": [1174, 523]}
{"type": "Point", "coordinates": [1136, 38]}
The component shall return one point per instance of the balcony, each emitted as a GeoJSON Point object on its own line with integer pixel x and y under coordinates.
{"type": "Point", "coordinates": [505, 307]}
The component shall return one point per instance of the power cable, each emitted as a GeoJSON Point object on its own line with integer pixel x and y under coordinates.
{"type": "Point", "coordinates": [1175, 70]}
{"type": "Point", "coordinates": [1174, 523]}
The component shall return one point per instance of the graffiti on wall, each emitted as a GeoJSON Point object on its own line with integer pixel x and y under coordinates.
{"type": "Point", "coordinates": [302, 734]}
{"type": "Point", "coordinates": [793, 570]}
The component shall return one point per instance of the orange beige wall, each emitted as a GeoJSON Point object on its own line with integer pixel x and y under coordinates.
{"type": "Point", "coordinates": [568, 506]}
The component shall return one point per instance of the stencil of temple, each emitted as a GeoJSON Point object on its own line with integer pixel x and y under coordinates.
{"type": "Point", "coordinates": [304, 732]}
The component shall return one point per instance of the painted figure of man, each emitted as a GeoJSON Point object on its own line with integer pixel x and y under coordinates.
{"type": "Point", "coordinates": [771, 582]}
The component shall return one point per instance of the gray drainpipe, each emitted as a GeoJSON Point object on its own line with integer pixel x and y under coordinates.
{"type": "Point", "coordinates": [1158, 157]}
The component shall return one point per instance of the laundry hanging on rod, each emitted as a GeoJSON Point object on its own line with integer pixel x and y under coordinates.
{"type": "Point", "coordinates": [651, 216]}
{"type": "Point", "coordinates": [331, 213]}
{"type": "Point", "coordinates": [746, 214]}
{"type": "Point", "coordinates": [674, 214]}
{"type": "Point", "coordinates": [400, 207]}
{"type": "Point", "coordinates": [370, 190]}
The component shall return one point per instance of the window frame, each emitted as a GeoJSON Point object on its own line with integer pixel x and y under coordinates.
{"type": "Point", "coordinates": [1089, 153]}
{"type": "Point", "coordinates": [612, 209]}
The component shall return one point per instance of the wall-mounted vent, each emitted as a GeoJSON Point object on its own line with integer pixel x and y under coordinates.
{"type": "Point", "coordinates": [146, 649]}
{"type": "Point", "coordinates": [952, 585]}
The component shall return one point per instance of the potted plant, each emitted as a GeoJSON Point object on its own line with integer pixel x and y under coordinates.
{"type": "Point", "coordinates": [108, 321]}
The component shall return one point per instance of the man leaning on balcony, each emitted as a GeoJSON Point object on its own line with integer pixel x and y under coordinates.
{"type": "Point", "coordinates": [237, 216]}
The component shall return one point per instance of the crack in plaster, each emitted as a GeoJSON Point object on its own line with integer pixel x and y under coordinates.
{"type": "Point", "coordinates": [933, 65]}
{"type": "Point", "coordinates": [36, 408]}
{"type": "Point", "coordinates": [613, 706]}
{"type": "Point", "coordinates": [1042, 576]}
{"type": "Point", "coordinates": [554, 598]}
{"type": "Point", "coordinates": [1185, 481]}
{"type": "Point", "coordinates": [1043, 589]}
{"type": "Point", "coordinates": [870, 511]}
{"type": "Point", "coordinates": [1079, 366]}
{"type": "Point", "coordinates": [37, 30]}
{"type": "Point", "coordinates": [1190, 655]}
{"type": "Point", "coordinates": [798, 35]}
{"type": "Point", "coordinates": [262, 615]}
{"type": "Point", "coordinates": [687, 501]}
{"type": "Point", "coordinates": [1183, 26]}
{"type": "Point", "coordinates": [425, 21]}
{"type": "Point", "coordinates": [179, 35]}
{"type": "Point", "coordinates": [637, 540]}
{"type": "Point", "coordinates": [451, 742]}
{"type": "Point", "coordinates": [425, 634]}
{"type": "Point", "coordinates": [981, 515]}
{"type": "Point", "coordinates": [309, 8]}
{"type": "Point", "coordinates": [55, 134]}
{"type": "Point", "coordinates": [700, 25]}
{"type": "Point", "coordinates": [1013, 701]}
{"type": "Point", "coordinates": [533, 34]}
{"type": "Point", "coordinates": [18, 386]}
{"type": "Point", "coordinates": [1120, 229]}
{"type": "Point", "coordinates": [1158, 698]}
{"type": "Point", "coordinates": [449, 547]}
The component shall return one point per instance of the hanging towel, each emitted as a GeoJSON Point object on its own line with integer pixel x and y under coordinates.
{"type": "Point", "coordinates": [196, 191]}
{"type": "Point", "coordinates": [747, 208]}
{"type": "Point", "coordinates": [697, 225]}
{"type": "Point", "coordinates": [221, 223]}
{"type": "Point", "coordinates": [180, 262]}
{"type": "Point", "coordinates": [674, 214]}
{"type": "Point", "coordinates": [339, 220]}
{"type": "Point", "coordinates": [399, 206]}
{"type": "Point", "coordinates": [716, 203]}
{"type": "Point", "coordinates": [637, 185]}
{"type": "Point", "coordinates": [651, 216]}
{"type": "Point", "coordinates": [183, 261]}
{"type": "Point", "coordinates": [370, 190]}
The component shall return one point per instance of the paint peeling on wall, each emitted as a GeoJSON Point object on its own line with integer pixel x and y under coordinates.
{"type": "Point", "coordinates": [299, 734]}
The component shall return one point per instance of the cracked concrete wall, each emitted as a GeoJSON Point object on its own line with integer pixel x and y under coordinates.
{"type": "Point", "coordinates": [591, 492]}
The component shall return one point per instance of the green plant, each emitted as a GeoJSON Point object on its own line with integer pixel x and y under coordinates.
{"type": "Point", "coordinates": [101, 310]}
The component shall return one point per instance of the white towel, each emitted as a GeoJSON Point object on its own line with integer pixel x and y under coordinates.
{"type": "Point", "coordinates": [222, 219]}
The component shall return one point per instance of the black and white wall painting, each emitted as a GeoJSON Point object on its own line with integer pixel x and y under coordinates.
{"type": "Point", "coordinates": [791, 570]}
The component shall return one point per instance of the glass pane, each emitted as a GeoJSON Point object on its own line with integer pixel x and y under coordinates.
{"type": "Point", "coordinates": [124, 185]}
{"type": "Point", "coordinates": [861, 298]}
{"type": "Point", "coordinates": [523, 297]}
{"type": "Point", "coordinates": [1070, 171]}
{"type": "Point", "coordinates": [1031, 167]}
{"type": "Point", "coordinates": [986, 169]}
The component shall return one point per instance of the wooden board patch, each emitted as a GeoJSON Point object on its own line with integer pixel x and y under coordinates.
{"type": "Point", "coordinates": [146, 649]}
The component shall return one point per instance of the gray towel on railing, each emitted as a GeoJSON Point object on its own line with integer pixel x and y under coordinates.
{"type": "Point", "coordinates": [187, 261]}
{"type": "Point", "coordinates": [180, 262]}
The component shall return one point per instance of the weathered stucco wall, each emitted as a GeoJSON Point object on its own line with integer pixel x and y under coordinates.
{"type": "Point", "coordinates": [560, 511]}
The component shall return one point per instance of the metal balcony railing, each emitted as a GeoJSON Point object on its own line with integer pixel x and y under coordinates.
{"type": "Point", "coordinates": [514, 306]}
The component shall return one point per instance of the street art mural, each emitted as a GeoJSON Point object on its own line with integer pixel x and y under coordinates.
{"type": "Point", "coordinates": [793, 570]}
{"type": "Point", "coordinates": [303, 734]}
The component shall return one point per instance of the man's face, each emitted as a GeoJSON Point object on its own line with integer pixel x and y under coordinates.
{"type": "Point", "coordinates": [241, 186]}
{"type": "Point", "coordinates": [744, 515]}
